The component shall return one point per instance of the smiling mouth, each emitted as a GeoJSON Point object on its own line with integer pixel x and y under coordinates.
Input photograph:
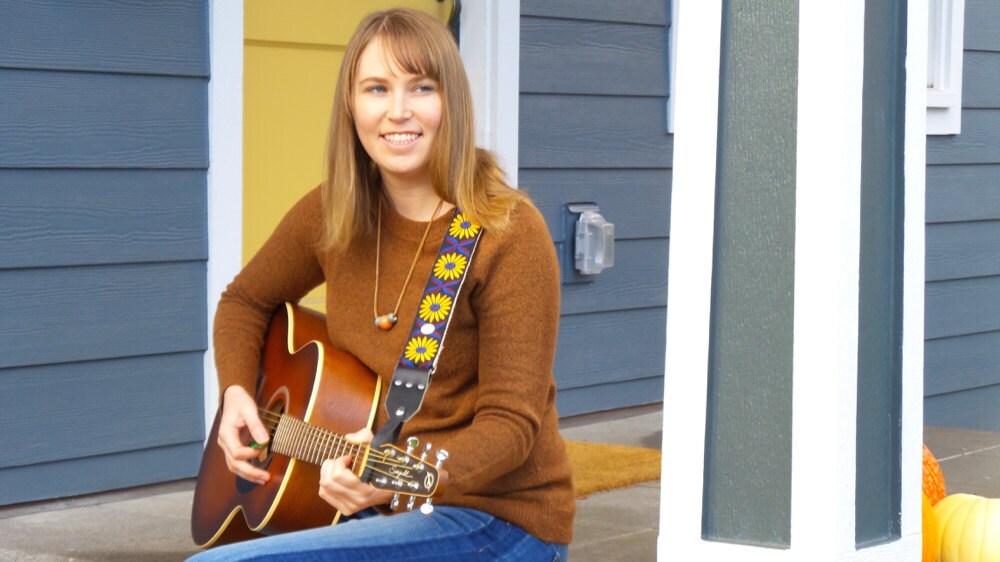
{"type": "Point", "coordinates": [401, 138]}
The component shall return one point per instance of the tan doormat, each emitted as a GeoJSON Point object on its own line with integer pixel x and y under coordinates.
{"type": "Point", "coordinates": [598, 467]}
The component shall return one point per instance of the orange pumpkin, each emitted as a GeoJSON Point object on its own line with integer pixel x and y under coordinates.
{"type": "Point", "coordinates": [933, 478]}
{"type": "Point", "coordinates": [931, 530]}
{"type": "Point", "coordinates": [970, 528]}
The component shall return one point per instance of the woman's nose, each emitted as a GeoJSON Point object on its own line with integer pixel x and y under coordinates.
{"type": "Point", "coordinates": [399, 109]}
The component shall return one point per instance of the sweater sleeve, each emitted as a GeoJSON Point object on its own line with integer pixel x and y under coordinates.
{"type": "Point", "coordinates": [518, 315]}
{"type": "Point", "coordinates": [284, 269]}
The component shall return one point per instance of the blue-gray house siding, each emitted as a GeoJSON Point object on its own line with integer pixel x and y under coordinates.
{"type": "Point", "coordinates": [592, 128]}
{"type": "Point", "coordinates": [962, 352]}
{"type": "Point", "coordinates": [103, 243]}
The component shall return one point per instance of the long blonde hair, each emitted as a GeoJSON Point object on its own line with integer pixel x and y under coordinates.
{"type": "Point", "coordinates": [463, 174]}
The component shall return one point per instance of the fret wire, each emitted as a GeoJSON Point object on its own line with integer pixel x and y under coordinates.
{"type": "Point", "coordinates": [337, 447]}
{"type": "Point", "coordinates": [344, 448]}
{"type": "Point", "coordinates": [304, 454]}
{"type": "Point", "coordinates": [319, 442]}
{"type": "Point", "coordinates": [304, 442]}
{"type": "Point", "coordinates": [289, 436]}
{"type": "Point", "coordinates": [335, 443]}
{"type": "Point", "coordinates": [318, 439]}
{"type": "Point", "coordinates": [326, 444]}
{"type": "Point", "coordinates": [278, 441]}
{"type": "Point", "coordinates": [297, 448]}
{"type": "Point", "coordinates": [315, 438]}
{"type": "Point", "coordinates": [308, 435]}
{"type": "Point", "coordinates": [323, 444]}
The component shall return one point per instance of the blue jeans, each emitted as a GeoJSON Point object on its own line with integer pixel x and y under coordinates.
{"type": "Point", "coordinates": [450, 533]}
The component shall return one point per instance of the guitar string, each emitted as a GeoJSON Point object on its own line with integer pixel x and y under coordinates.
{"type": "Point", "coordinates": [299, 430]}
{"type": "Point", "coordinates": [354, 449]}
{"type": "Point", "coordinates": [300, 438]}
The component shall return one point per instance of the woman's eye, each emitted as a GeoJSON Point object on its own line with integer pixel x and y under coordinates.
{"type": "Point", "coordinates": [376, 89]}
{"type": "Point", "coordinates": [425, 88]}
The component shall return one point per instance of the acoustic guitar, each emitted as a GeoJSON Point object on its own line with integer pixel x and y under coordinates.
{"type": "Point", "coordinates": [309, 395]}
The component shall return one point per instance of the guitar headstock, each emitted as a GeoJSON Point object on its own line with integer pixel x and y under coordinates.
{"type": "Point", "coordinates": [398, 471]}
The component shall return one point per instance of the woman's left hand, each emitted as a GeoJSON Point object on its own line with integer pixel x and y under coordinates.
{"type": "Point", "coordinates": [342, 489]}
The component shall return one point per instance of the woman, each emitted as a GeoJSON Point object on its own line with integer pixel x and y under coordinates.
{"type": "Point", "coordinates": [401, 158]}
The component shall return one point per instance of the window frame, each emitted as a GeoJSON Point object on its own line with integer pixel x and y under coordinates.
{"type": "Point", "coordinates": [946, 30]}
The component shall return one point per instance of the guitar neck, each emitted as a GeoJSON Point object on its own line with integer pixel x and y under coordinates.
{"type": "Point", "coordinates": [296, 439]}
{"type": "Point", "coordinates": [386, 468]}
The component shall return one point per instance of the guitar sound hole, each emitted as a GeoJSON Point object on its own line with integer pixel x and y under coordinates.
{"type": "Point", "coordinates": [270, 418]}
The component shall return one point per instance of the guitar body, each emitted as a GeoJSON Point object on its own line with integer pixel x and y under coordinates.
{"type": "Point", "coordinates": [301, 375]}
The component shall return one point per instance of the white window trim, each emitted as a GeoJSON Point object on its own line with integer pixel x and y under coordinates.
{"type": "Point", "coordinates": [490, 33]}
{"type": "Point", "coordinates": [225, 171]}
{"type": "Point", "coordinates": [946, 30]}
{"type": "Point", "coordinates": [672, 54]}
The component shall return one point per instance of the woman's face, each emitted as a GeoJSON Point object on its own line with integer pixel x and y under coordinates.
{"type": "Point", "coordinates": [397, 116]}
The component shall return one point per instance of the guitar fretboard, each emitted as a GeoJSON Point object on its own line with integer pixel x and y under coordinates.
{"type": "Point", "coordinates": [299, 440]}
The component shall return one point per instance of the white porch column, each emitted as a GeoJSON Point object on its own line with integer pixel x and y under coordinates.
{"type": "Point", "coordinates": [828, 156]}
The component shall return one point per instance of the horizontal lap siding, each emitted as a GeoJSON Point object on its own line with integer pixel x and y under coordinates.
{"type": "Point", "coordinates": [592, 114]}
{"type": "Point", "coordinates": [138, 36]}
{"type": "Point", "coordinates": [55, 119]}
{"type": "Point", "coordinates": [962, 316]}
{"type": "Point", "coordinates": [103, 243]}
{"type": "Point", "coordinates": [81, 217]}
{"type": "Point", "coordinates": [60, 315]}
{"type": "Point", "coordinates": [146, 391]}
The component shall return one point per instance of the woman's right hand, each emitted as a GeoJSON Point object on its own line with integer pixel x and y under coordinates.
{"type": "Point", "coordinates": [238, 425]}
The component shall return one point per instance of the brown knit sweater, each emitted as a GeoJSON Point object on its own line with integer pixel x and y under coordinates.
{"type": "Point", "coordinates": [492, 400]}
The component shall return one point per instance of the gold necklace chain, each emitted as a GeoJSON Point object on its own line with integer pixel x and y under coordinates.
{"type": "Point", "coordinates": [387, 321]}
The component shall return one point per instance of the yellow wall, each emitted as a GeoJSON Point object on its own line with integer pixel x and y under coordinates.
{"type": "Point", "coordinates": [292, 54]}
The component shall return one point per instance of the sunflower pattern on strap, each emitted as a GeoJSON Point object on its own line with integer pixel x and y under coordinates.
{"type": "Point", "coordinates": [438, 301]}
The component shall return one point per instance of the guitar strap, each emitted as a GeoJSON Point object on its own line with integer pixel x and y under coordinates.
{"type": "Point", "coordinates": [426, 339]}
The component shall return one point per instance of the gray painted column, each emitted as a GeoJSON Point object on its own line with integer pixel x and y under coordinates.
{"type": "Point", "coordinates": [880, 301]}
{"type": "Point", "coordinates": [748, 450]}
{"type": "Point", "coordinates": [762, 416]}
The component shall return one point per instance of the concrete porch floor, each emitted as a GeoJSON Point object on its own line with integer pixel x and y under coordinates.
{"type": "Point", "coordinates": [152, 523]}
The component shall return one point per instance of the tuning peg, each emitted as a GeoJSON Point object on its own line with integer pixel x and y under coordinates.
{"type": "Point", "coordinates": [394, 503]}
{"type": "Point", "coordinates": [423, 456]}
{"type": "Point", "coordinates": [427, 508]}
{"type": "Point", "coordinates": [409, 504]}
{"type": "Point", "coordinates": [411, 444]}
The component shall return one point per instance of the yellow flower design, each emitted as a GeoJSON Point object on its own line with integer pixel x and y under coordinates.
{"type": "Point", "coordinates": [421, 349]}
{"type": "Point", "coordinates": [435, 307]}
{"type": "Point", "coordinates": [450, 266]}
{"type": "Point", "coordinates": [462, 227]}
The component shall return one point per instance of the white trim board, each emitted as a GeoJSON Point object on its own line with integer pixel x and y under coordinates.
{"type": "Point", "coordinates": [692, 221]}
{"type": "Point", "coordinates": [490, 42]}
{"type": "Point", "coordinates": [225, 172]}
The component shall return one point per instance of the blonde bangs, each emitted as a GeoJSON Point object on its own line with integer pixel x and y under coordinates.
{"type": "Point", "coordinates": [413, 54]}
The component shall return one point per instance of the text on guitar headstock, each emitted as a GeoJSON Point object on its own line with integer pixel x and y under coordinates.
{"type": "Point", "coordinates": [400, 472]}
